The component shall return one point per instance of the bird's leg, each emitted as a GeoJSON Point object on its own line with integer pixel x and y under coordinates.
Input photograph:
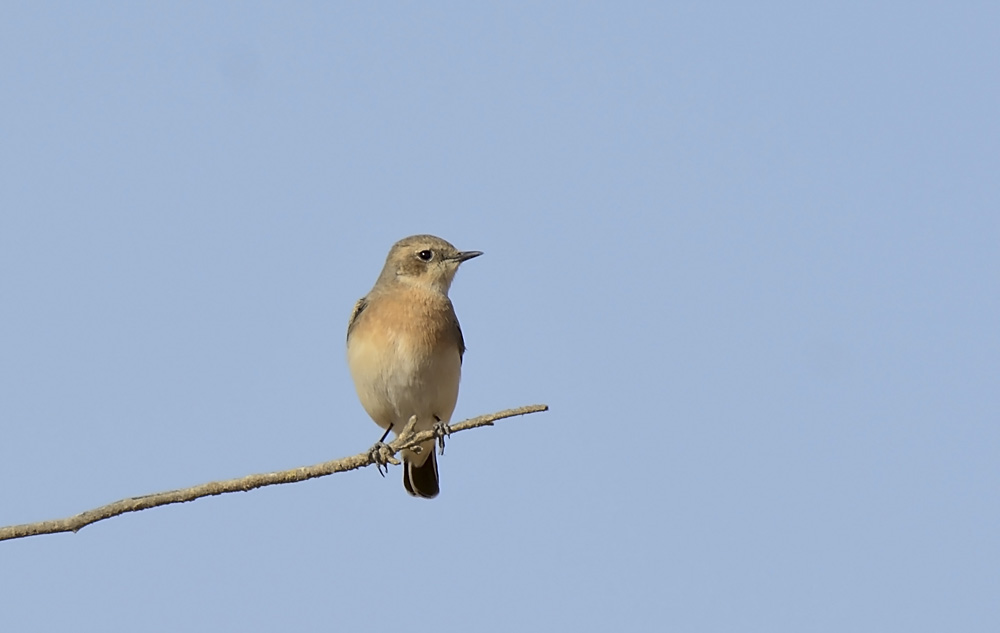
{"type": "Point", "coordinates": [386, 434]}
{"type": "Point", "coordinates": [381, 454]}
{"type": "Point", "coordinates": [441, 430]}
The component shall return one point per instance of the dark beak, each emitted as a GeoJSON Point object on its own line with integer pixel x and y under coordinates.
{"type": "Point", "coordinates": [464, 255]}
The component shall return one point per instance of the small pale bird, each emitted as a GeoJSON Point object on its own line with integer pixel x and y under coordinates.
{"type": "Point", "coordinates": [405, 348]}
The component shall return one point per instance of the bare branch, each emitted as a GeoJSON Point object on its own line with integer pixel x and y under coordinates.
{"type": "Point", "coordinates": [243, 484]}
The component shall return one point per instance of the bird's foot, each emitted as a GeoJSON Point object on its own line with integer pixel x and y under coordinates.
{"type": "Point", "coordinates": [382, 456]}
{"type": "Point", "coordinates": [441, 431]}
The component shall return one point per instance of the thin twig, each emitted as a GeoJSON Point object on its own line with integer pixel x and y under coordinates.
{"type": "Point", "coordinates": [243, 484]}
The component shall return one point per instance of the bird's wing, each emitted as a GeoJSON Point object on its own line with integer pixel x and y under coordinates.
{"type": "Point", "coordinates": [458, 331]}
{"type": "Point", "coordinates": [359, 307]}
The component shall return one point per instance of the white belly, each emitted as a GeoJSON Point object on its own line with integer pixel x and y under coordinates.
{"type": "Point", "coordinates": [397, 381]}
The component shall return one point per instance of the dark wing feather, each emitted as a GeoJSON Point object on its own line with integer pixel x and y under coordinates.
{"type": "Point", "coordinates": [458, 330]}
{"type": "Point", "coordinates": [359, 307]}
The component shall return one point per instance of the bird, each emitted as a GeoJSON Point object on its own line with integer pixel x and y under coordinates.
{"type": "Point", "coordinates": [405, 349]}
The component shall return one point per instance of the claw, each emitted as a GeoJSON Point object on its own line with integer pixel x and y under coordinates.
{"type": "Point", "coordinates": [381, 455]}
{"type": "Point", "coordinates": [441, 431]}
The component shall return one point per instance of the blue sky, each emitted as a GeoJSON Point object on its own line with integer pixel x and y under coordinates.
{"type": "Point", "coordinates": [747, 254]}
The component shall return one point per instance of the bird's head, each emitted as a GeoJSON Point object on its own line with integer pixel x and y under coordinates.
{"type": "Point", "coordinates": [425, 261]}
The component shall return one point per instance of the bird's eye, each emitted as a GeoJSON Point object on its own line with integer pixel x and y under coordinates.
{"type": "Point", "coordinates": [426, 255]}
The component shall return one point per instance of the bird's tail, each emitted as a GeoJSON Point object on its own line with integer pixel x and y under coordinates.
{"type": "Point", "coordinates": [421, 480]}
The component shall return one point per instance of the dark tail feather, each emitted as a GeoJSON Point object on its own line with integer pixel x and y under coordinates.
{"type": "Point", "coordinates": [422, 481]}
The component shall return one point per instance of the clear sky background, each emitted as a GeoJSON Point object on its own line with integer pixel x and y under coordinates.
{"type": "Point", "coordinates": [748, 253]}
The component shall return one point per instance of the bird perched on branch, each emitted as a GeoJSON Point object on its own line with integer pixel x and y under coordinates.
{"type": "Point", "coordinates": [405, 347]}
